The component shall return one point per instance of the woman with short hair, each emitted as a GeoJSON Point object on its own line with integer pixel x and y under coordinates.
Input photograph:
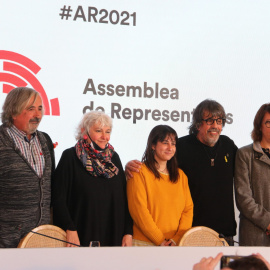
{"type": "Point", "coordinates": [158, 196]}
{"type": "Point", "coordinates": [89, 188]}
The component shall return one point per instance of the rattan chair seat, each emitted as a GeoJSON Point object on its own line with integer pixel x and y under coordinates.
{"type": "Point", "coordinates": [32, 240]}
{"type": "Point", "coordinates": [201, 236]}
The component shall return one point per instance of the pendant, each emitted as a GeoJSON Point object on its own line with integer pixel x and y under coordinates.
{"type": "Point", "coordinates": [212, 162]}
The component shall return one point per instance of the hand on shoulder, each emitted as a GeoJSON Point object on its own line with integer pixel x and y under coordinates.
{"type": "Point", "coordinates": [132, 166]}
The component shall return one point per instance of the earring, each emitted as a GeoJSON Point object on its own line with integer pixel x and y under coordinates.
{"type": "Point", "coordinates": [85, 137]}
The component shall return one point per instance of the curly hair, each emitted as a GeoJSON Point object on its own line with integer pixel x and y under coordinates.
{"type": "Point", "coordinates": [91, 118]}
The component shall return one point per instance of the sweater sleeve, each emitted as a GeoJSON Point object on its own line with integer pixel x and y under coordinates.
{"type": "Point", "coordinates": [245, 201]}
{"type": "Point", "coordinates": [61, 186]}
{"type": "Point", "coordinates": [185, 222]}
{"type": "Point", "coordinates": [137, 202]}
{"type": "Point", "coordinates": [128, 219]}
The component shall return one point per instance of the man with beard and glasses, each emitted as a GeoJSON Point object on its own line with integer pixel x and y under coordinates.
{"type": "Point", "coordinates": [26, 164]}
{"type": "Point", "coordinates": [207, 158]}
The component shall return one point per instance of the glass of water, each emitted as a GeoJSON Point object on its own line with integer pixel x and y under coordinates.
{"type": "Point", "coordinates": [94, 244]}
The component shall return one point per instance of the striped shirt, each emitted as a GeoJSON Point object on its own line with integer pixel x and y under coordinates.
{"type": "Point", "coordinates": [31, 150]}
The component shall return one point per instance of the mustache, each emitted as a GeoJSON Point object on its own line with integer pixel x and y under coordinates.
{"type": "Point", "coordinates": [35, 119]}
{"type": "Point", "coordinates": [213, 130]}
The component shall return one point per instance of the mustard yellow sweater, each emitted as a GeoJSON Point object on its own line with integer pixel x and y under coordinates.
{"type": "Point", "coordinates": [160, 209]}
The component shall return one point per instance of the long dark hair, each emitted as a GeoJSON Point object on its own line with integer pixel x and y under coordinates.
{"type": "Point", "coordinates": [159, 134]}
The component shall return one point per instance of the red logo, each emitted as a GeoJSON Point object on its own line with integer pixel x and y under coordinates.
{"type": "Point", "coordinates": [19, 70]}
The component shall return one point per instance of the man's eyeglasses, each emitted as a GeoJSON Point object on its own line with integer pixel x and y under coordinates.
{"type": "Point", "coordinates": [267, 123]}
{"type": "Point", "coordinates": [219, 121]}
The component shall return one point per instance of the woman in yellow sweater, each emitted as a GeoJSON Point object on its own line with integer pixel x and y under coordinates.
{"type": "Point", "coordinates": [159, 198]}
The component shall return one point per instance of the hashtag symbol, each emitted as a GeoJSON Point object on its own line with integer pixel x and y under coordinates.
{"type": "Point", "coordinates": [65, 12]}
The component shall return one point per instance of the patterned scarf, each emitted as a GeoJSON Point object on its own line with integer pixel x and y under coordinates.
{"type": "Point", "coordinates": [97, 163]}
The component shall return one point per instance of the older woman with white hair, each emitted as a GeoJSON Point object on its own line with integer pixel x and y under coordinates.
{"type": "Point", "coordinates": [89, 188]}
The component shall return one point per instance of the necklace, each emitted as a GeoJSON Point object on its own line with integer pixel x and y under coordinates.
{"type": "Point", "coordinates": [212, 160]}
{"type": "Point", "coordinates": [163, 170]}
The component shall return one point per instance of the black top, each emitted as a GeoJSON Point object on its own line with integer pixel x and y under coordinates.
{"type": "Point", "coordinates": [266, 151]}
{"type": "Point", "coordinates": [211, 186]}
{"type": "Point", "coordinates": [94, 206]}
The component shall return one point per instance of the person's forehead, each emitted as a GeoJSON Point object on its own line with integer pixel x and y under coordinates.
{"type": "Point", "coordinates": [34, 101]}
{"type": "Point", "coordinates": [266, 116]}
{"type": "Point", "coordinates": [38, 99]}
{"type": "Point", "coordinates": [99, 125]}
{"type": "Point", "coordinates": [207, 114]}
{"type": "Point", "coordinates": [169, 137]}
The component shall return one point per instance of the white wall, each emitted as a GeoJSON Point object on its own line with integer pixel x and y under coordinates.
{"type": "Point", "coordinates": [200, 49]}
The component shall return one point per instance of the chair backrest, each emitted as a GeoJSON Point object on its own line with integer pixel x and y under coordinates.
{"type": "Point", "coordinates": [201, 236]}
{"type": "Point", "coordinates": [32, 240]}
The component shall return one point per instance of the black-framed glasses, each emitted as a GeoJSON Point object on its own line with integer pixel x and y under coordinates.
{"type": "Point", "coordinates": [267, 123]}
{"type": "Point", "coordinates": [219, 121]}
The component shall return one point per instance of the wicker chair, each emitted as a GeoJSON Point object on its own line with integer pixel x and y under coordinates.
{"type": "Point", "coordinates": [201, 236]}
{"type": "Point", "coordinates": [32, 240]}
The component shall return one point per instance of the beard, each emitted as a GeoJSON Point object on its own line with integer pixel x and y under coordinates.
{"type": "Point", "coordinates": [211, 140]}
{"type": "Point", "coordinates": [33, 125]}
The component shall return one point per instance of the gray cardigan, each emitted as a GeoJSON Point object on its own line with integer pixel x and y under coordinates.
{"type": "Point", "coordinates": [252, 192]}
{"type": "Point", "coordinates": [25, 197]}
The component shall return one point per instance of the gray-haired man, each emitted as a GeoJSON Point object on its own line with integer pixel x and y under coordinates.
{"type": "Point", "coordinates": [26, 164]}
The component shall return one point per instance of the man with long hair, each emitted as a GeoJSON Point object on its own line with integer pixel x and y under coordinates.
{"type": "Point", "coordinates": [26, 164]}
{"type": "Point", "coordinates": [207, 158]}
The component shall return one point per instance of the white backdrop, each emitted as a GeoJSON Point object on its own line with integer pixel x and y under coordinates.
{"type": "Point", "coordinates": [194, 49]}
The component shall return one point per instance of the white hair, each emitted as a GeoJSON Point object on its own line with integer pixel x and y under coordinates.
{"type": "Point", "coordinates": [91, 118]}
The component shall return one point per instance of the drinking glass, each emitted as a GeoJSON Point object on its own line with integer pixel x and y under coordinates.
{"type": "Point", "coordinates": [94, 244]}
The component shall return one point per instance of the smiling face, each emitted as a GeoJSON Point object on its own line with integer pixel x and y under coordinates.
{"type": "Point", "coordinates": [209, 134]}
{"type": "Point", "coordinates": [100, 135]}
{"type": "Point", "coordinates": [165, 150]}
{"type": "Point", "coordinates": [30, 117]}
